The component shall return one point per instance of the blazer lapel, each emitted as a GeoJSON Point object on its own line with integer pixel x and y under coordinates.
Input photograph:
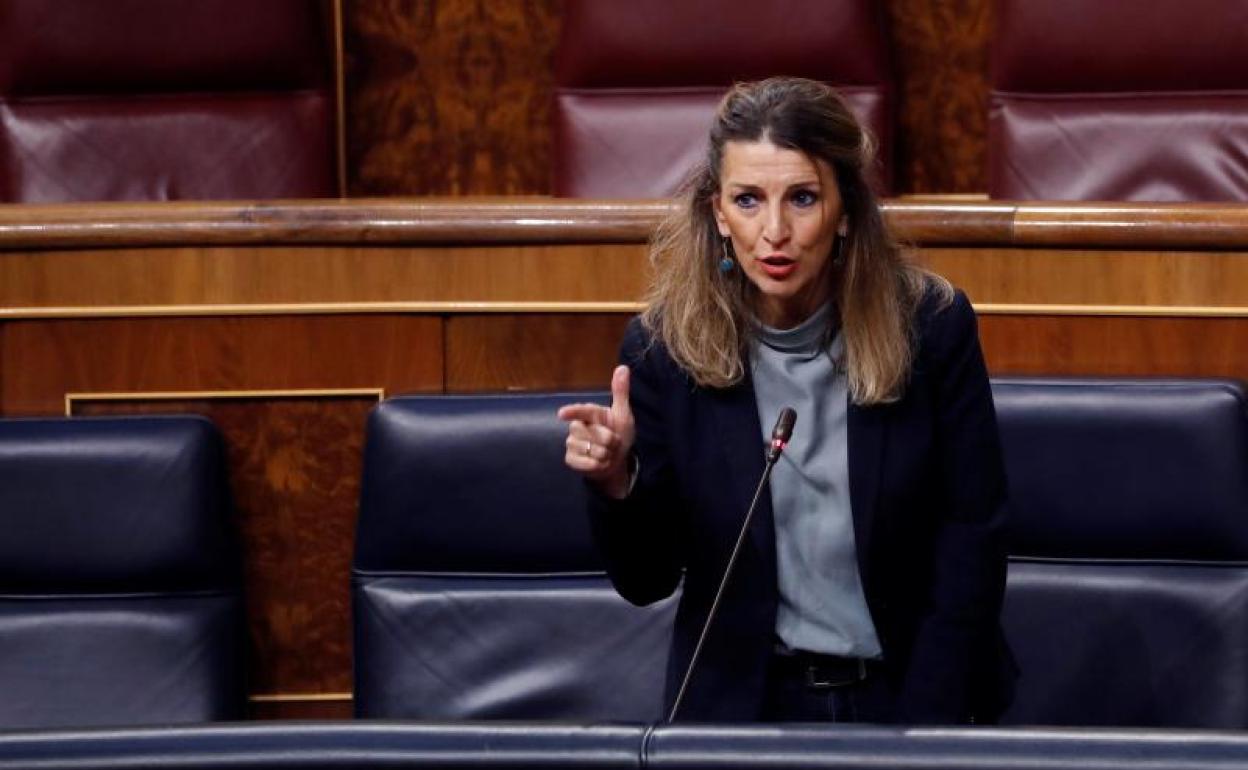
{"type": "Point", "coordinates": [867, 430]}
{"type": "Point", "coordinates": [741, 439]}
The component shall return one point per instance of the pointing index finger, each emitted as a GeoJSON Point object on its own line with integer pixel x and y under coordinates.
{"type": "Point", "coordinates": [586, 413]}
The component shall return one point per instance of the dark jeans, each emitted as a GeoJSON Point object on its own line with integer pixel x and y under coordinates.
{"type": "Point", "coordinates": [790, 697]}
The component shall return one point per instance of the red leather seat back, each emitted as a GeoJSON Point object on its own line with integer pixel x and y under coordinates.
{"type": "Point", "coordinates": [152, 100]}
{"type": "Point", "coordinates": [1104, 100]}
{"type": "Point", "coordinates": [638, 81]}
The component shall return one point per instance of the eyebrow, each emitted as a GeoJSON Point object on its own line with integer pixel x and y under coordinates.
{"type": "Point", "coordinates": [812, 182]}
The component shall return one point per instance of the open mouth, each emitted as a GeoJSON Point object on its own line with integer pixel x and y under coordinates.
{"type": "Point", "coordinates": [777, 265]}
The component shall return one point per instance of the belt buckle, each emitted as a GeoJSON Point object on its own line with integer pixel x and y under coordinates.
{"type": "Point", "coordinates": [817, 682]}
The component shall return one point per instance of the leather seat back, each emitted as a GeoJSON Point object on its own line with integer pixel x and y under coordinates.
{"type": "Point", "coordinates": [478, 593]}
{"type": "Point", "coordinates": [150, 100]}
{"type": "Point", "coordinates": [1100, 100]}
{"type": "Point", "coordinates": [1127, 601]}
{"type": "Point", "coordinates": [120, 600]}
{"type": "Point", "coordinates": [637, 82]}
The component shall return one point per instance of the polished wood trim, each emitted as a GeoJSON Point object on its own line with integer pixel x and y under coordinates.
{"type": "Point", "coordinates": [924, 222]}
{"type": "Point", "coordinates": [1141, 311]}
{"type": "Point", "coordinates": [340, 100]}
{"type": "Point", "coordinates": [967, 197]}
{"type": "Point", "coordinates": [1168, 226]}
{"type": "Point", "coordinates": [187, 395]}
{"type": "Point", "coordinates": [425, 220]}
{"type": "Point", "coordinates": [302, 697]}
{"type": "Point", "coordinates": [527, 308]}
{"type": "Point", "coordinates": [948, 223]}
{"type": "Point", "coordinates": [314, 308]}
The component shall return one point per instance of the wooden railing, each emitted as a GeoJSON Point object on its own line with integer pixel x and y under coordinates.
{"type": "Point", "coordinates": [537, 255]}
{"type": "Point", "coordinates": [924, 221]}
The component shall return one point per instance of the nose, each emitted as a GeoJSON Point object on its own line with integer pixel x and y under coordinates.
{"type": "Point", "coordinates": [776, 227]}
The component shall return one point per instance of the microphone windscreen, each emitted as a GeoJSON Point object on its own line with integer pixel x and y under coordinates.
{"type": "Point", "coordinates": [784, 424]}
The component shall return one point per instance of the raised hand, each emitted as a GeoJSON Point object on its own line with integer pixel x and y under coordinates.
{"type": "Point", "coordinates": [600, 438]}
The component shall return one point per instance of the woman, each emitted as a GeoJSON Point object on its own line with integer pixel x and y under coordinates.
{"type": "Point", "coordinates": [871, 582]}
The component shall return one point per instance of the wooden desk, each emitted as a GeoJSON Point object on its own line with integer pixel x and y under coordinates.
{"type": "Point", "coordinates": [285, 322]}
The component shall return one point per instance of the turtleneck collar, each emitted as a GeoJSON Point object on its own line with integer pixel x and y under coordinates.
{"type": "Point", "coordinates": [810, 336]}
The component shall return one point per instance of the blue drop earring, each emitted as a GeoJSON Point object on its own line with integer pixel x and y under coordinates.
{"type": "Point", "coordinates": [726, 264]}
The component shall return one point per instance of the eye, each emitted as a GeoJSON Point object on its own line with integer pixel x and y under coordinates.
{"type": "Point", "coordinates": [745, 200]}
{"type": "Point", "coordinates": [805, 198]}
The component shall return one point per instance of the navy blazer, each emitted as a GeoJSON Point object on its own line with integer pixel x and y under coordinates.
{"type": "Point", "coordinates": [928, 493]}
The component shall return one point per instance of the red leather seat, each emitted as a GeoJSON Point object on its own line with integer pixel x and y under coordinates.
{"type": "Point", "coordinates": [152, 100]}
{"type": "Point", "coordinates": [1105, 100]}
{"type": "Point", "coordinates": [637, 82]}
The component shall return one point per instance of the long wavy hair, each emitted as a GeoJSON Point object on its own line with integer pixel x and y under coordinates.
{"type": "Point", "coordinates": [704, 317]}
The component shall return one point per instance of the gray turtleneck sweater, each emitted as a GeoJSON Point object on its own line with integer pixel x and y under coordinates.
{"type": "Point", "coordinates": [822, 605]}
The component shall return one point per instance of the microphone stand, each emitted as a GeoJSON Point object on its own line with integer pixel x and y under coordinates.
{"type": "Point", "coordinates": [779, 437]}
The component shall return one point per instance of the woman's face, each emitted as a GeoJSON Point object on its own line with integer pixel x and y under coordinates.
{"type": "Point", "coordinates": [782, 211]}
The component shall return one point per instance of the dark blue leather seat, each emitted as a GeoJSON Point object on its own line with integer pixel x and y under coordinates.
{"type": "Point", "coordinates": [1127, 601]}
{"type": "Point", "coordinates": [478, 593]}
{"type": "Point", "coordinates": [477, 589]}
{"type": "Point", "coordinates": [119, 582]}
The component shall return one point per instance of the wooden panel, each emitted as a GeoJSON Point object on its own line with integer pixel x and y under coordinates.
{"type": "Point", "coordinates": [532, 352]}
{"type": "Point", "coordinates": [44, 360]}
{"type": "Point", "coordinates": [449, 97]}
{"type": "Point", "coordinates": [1181, 347]}
{"type": "Point", "coordinates": [305, 710]}
{"type": "Point", "coordinates": [941, 58]}
{"type": "Point", "coordinates": [294, 471]}
{"type": "Point", "coordinates": [1098, 278]}
{"type": "Point", "coordinates": [130, 278]}
{"type": "Point", "coordinates": [234, 279]}
{"type": "Point", "coordinates": [578, 351]}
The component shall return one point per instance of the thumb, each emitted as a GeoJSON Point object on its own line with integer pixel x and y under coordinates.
{"type": "Point", "coordinates": [619, 393]}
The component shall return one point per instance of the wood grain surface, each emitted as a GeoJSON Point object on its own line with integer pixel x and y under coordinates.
{"type": "Point", "coordinates": [929, 221]}
{"type": "Point", "coordinates": [940, 54]}
{"type": "Point", "coordinates": [531, 352]}
{"type": "Point", "coordinates": [242, 276]}
{"type": "Point", "coordinates": [449, 97]}
{"type": "Point", "coordinates": [578, 352]}
{"type": "Point", "coordinates": [1116, 346]}
{"type": "Point", "coordinates": [46, 359]}
{"type": "Point", "coordinates": [397, 221]}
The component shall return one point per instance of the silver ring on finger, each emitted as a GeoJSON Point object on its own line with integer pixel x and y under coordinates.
{"type": "Point", "coordinates": [589, 447]}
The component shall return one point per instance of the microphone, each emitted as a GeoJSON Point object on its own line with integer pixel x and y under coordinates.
{"type": "Point", "coordinates": [781, 434]}
{"type": "Point", "coordinates": [779, 440]}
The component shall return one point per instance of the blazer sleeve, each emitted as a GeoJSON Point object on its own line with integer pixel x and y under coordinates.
{"type": "Point", "coordinates": [956, 640]}
{"type": "Point", "coordinates": [640, 536]}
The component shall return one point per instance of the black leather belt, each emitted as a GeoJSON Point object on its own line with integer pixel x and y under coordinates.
{"type": "Point", "coordinates": [822, 672]}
